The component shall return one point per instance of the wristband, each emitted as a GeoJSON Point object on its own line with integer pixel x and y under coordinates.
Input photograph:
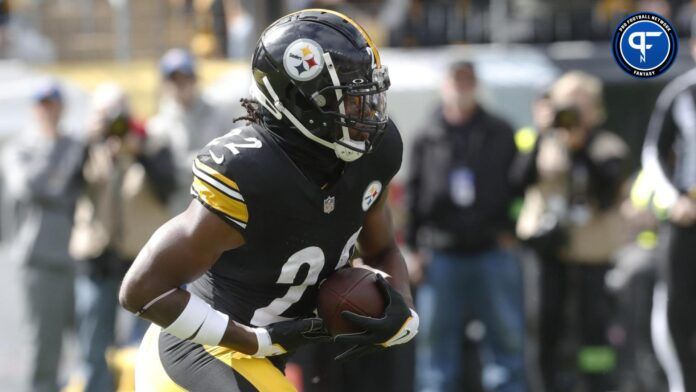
{"type": "Point", "coordinates": [190, 319]}
{"type": "Point", "coordinates": [213, 328]}
{"type": "Point", "coordinates": [265, 344]}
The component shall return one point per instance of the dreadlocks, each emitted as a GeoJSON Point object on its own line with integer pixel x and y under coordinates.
{"type": "Point", "coordinates": [253, 114]}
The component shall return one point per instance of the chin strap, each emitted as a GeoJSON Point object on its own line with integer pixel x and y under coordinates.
{"type": "Point", "coordinates": [345, 150]}
{"type": "Point", "coordinates": [278, 110]}
{"type": "Point", "coordinates": [261, 98]}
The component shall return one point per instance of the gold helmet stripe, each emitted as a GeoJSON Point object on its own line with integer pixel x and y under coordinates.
{"type": "Point", "coordinates": [355, 24]}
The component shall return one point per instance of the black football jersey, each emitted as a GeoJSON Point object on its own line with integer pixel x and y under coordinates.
{"type": "Point", "coordinates": [296, 233]}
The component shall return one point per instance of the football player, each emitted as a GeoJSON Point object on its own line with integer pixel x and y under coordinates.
{"type": "Point", "coordinates": [231, 283]}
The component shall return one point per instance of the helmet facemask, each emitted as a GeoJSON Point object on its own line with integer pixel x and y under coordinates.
{"type": "Point", "coordinates": [361, 107]}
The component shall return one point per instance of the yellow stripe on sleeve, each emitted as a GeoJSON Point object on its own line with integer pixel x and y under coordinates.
{"type": "Point", "coordinates": [215, 174]}
{"type": "Point", "coordinates": [216, 199]}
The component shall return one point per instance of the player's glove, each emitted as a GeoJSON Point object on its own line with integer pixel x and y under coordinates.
{"type": "Point", "coordinates": [286, 336]}
{"type": "Point", "coordinates": [398, 325]}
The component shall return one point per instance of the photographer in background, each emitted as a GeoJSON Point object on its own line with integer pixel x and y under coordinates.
{"type": "Point", "coordinates": [127, 185]}
{"type": "Point", "coordinates": [570, 216]}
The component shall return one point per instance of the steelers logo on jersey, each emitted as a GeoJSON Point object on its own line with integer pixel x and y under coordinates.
{"type": "Point", "coordinates": [303, 59]}
{"type": "Point", "coordinates": [371, 194]}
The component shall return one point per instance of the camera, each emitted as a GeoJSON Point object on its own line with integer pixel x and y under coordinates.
{"type": "Point", "coordinates": [117, 126]}
{"type": "Point", "coordinates": [566, 117]}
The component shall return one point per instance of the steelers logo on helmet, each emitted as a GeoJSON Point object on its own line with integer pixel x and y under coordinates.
{"type": "Point", "coordinates": [303, 59]}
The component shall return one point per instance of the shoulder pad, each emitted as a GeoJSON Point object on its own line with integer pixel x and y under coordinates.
{"type": "Point", "coordinates": [216, 174]}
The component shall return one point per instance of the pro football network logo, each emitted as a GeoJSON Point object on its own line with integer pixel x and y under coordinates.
{"type": "Point", "coordinates": [371, 194]}
{"type": "Point", "coordinates": [645, 45]}
{"type": "Point", "coordinates": [303, 59]}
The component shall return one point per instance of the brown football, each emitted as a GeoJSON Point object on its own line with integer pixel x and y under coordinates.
{"type": "Point", "coordinates": [353, 289]}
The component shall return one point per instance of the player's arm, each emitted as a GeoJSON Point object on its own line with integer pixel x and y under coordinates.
{"type": "Point", "coordinates": [378, 248]}
{"type": "Point", "coordinates": [400, 321]}
{"type": "Point", "coordinates": [180, 251]}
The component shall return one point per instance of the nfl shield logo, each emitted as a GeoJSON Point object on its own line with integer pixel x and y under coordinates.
{"type": "Point", "coordinates": [329, 204]}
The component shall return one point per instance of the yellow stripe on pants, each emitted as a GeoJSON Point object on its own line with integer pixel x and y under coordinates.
{"type": "Point", "coordinates": [260, 372]}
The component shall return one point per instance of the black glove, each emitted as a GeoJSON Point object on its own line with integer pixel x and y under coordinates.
{"type": "Point", "coordinates": [287, 336]}
{"type": "Point", "coordinates": [398, 325]}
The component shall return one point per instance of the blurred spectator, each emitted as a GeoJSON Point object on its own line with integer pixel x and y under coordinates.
{"type": "Point", "coordinates": [522, 176]}
{"type": "Point", "coordinates": [127, 185]}
{"type": "Point", "coordinates": [570, 216]}
{"type": "Point", "coordinates": [209, 21]}
{"type": "Point", "coordinates": [185, 121]}
{"type": "Point", "coordinates": [685, 17]}
{"type": "Point", "coordinates": [42, 175]}
{"type": "Point", "coordinates": [429, 23]}
{"type": "Point", "coordinates": [459, 201]}
{"type": "Point", "coordinates": [660, 7]}
{"type": "Point", "coordinates": [4, 21]}
{"type": "Point", "coordinates": [608, 14]}
{"type": "Point", "coordinates": [240, 27]}
{"type": "Point", "coordinates": [526, 139]}
{"type": "Point", "coordinates": [669, 154]}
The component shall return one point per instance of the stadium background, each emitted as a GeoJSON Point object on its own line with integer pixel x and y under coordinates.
{"type": "Point", "coordinates": [518, 46]}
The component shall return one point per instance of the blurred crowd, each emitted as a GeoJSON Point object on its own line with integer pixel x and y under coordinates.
{"type": "Point", "coordinates": [418, 23]}
{"type": "Point", "coordinates": [228, 28]}
{"type": "Point", "coordinates": [79, 206]}
{"type": "Point", "coordinates": [233, 24]}
{"type": "Point", "coordinates": [539, 261]}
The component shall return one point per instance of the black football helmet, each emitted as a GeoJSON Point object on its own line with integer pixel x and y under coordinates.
{"type": "Point", "coordinates": [320, 71]}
